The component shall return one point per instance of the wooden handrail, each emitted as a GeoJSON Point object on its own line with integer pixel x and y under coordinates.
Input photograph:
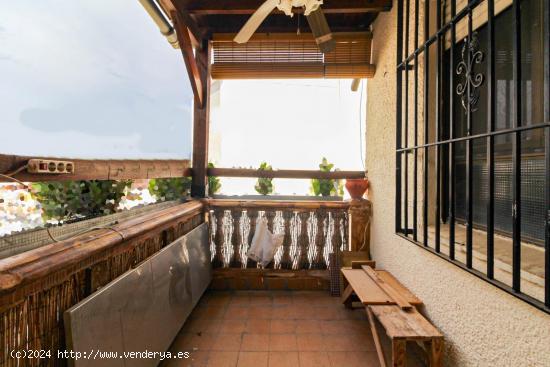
{"type": "Point", "coordinates": [284, 173]}
{"type": "Point", "coordinates": [276, 204]}
{"type": "Point", "coordinates": [97, 169]}
{"type": "Point", "coordinates": [87, 248]}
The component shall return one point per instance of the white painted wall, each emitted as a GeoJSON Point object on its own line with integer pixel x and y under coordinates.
{"type": "Point", "coordinates": [483, 326]}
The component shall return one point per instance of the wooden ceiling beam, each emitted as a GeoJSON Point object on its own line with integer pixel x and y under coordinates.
{"type": "Point", "coordinates": [171, 7]}
{"type": "Point", "coordinates": [236, 7]}
{"type": "Point", "coordinates": [186, 47]}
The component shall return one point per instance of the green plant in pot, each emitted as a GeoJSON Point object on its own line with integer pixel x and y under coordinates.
{"type": "Point", "coordinates": [63, 201]}
{"type": "Point", "coordinates": [166, 189]}
{"type": "Point", "coordinates": [326, 187]}
{"type": "Point", "coordinates": [264, 185]}
{"type": "Point", "coordinates": [214, 184]}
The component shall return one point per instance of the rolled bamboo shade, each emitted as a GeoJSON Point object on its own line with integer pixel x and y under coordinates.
{"type": "Point", "coordinates": [291, 56]}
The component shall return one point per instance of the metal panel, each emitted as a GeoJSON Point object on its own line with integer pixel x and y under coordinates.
{"type": "Point", "coordinates": [143, 309]}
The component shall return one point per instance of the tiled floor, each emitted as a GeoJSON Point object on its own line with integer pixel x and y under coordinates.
{"type": "Point", "coordinates": [274, 329]}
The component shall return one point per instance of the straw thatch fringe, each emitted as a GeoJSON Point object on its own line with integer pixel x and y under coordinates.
{"type": "Point", "coordinates": [31, 317]}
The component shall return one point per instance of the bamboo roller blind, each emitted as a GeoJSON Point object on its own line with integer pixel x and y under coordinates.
{"type": "Point", "coordinates": [281, 56]}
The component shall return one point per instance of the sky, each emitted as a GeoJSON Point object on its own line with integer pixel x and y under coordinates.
{"type": "Point", "coordinates": [90, 79]}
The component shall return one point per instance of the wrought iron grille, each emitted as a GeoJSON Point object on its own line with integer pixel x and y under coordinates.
{"type": "Point", "coordinates": [476, 138]}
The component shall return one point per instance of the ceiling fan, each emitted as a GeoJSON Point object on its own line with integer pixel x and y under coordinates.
{"type": "Point", "coordinates": [312, 11]}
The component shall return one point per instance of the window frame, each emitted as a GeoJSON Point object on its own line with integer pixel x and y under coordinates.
{"type": "Point", "coordinates": [407, 62]}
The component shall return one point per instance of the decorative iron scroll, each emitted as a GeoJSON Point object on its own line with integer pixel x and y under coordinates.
{"type": "Point", "coordinates": [469, 89]}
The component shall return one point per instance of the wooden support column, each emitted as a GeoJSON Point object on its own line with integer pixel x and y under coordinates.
{"type": "Point", "coordinates": [360, 212]}
{"type": "Point", "coordinates": [201, 125]}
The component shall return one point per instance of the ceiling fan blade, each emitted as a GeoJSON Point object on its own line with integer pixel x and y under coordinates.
{"type": "Point", "coordinates": [321, 31]}
{"type": "Point", "coordinates": [255, 20]}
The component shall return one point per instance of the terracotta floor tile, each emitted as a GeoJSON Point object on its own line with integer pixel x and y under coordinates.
{"type": "Point", "coordinates": [283, 342]}
{"type": "Point", "coordinates": [239, 300]}
{"type": "Point", "coordinates": [236, 313]}
{"type": "Point", "coordinates": [255, 343]}
{"type": "Point", "coordinates": [353, 359]}
{"type": "Point", "coordinates": [282, 299]}
{"type": "Point", "coordinates": [347, 343]}
{"type": "Point", "coordinates": [261, 300]}
{"type": "Point", "coordinates": [283, 359]}
{"type": "Point", "coordinates": [324, 313]}
{"type": "Point", "coordinates": [209, 312]}
{"type": "Point", "coordinates": [223, 359]}
{"type": "Point", "coordinates": [232, 326]}
{"type": "Point", "coordinates": [201, 326]}
{"type": "Point", "coordinates": [217, 298]}
{"type": "Point", "coordinates": [308, 326]}
{"type": "Point", "coordinates": [182, 342]}
{"type": "Point", "coordinates": [202, 341]}
{"type": "Point", "coordinates": [283, 312]}
{"type": "Point", "coordinates": [196, 359]}
{"type": "Point", "coordinates": [334, 327]}
{"type": "Point", "coordinates": [283, 326]}
{"type": "Point", "coordinates": [258, 326]}
{"type": "Point", "coordinates": [314, 359]}
{"type": "Point", "coordinates": [227, 342]}
{"type": "Point", "coordinates": [310, 342]}
{"type": "Point", "coordinates": [253, 359]}
{"type": "Point", "coordinates": [260, 312]}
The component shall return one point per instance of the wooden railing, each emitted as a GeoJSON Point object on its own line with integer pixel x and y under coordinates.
{"type": "Point", "coordinates": [36, 287]}
{"type": "Point", "coordinates": [312, 231]}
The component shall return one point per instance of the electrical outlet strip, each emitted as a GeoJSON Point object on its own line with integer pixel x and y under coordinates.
{"type": "Point", "coordinates": [50, 166]}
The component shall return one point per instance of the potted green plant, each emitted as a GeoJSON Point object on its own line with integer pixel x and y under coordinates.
{"type": "Point", "coordinates": [264, 186]}
{"type": "Point", "coordinates": [326, 187]}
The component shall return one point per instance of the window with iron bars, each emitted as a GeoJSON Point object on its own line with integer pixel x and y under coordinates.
{"type": "Point", "coordinates": [473, 138]}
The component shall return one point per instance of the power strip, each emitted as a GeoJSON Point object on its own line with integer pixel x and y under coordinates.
{"type": "Point", "coordinates": [49, 166]}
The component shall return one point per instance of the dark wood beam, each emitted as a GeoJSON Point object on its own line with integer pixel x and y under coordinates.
{"type": "Point", "coordinates": [284, 173]}
{"type": "Point", "coordinates": [172, 7]}
{"type": "Point", "coordinates": [201, 127]}
{"type": "Point", "coordinates": [269, 203]}
{"type": "Point", "coordinates": [232, 7]}
{"type": "Point", "coordinates": [186, 48]}
{"type": "Point", "coordinates": [95, 169]}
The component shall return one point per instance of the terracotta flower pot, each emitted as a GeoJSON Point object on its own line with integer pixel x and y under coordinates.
{"type": "Point", "coordinates": [357, 187]}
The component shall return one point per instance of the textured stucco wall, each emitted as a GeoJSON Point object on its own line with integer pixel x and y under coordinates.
{"type": "Point", "coordinates": [483, 325]}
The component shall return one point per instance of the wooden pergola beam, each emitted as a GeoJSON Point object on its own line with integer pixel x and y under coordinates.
{"type": "Point", "coordinates": [232, 7]}
{"type": "Point", "coordinates": [284, 173]}
{"type": "Point", "coordinates": [95, 169]}
{"type": "Point", "coordinates": [171, 8]}
{"type": "Point", "coordinates": [186, 47]}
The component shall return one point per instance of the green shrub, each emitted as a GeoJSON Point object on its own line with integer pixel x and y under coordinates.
{"type": "Point", "coordinates": [264, 185]}
{"type": "Point", "coordinates": [326, 187]}
{"type": "Point", "coordinates": [166, 189]}
{"type": "Point", "coordinates": [214, 184]}
{"type": "Point", "coordinates": [68, 200]}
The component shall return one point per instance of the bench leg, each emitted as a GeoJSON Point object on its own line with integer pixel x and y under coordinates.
{"type": "Point", "coordinates": [399, 352]}
{"type": "Point", "coordinates": [347, 296]}
{"type": "Point", "coordinates": [434, 348]}
{"type": "Point", "coordinates": [376, 338]}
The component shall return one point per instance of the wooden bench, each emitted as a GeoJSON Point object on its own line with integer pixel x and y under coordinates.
{"type": "Point", "coordinates": [394, 306]}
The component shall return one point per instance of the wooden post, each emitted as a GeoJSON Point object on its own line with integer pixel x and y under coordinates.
{"type": "Point", "coordinates": [399, 352]}
{"type": "Point", "coordinates": [360, 212]}
{"type": "Point", "coordinates": [201, 126]}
